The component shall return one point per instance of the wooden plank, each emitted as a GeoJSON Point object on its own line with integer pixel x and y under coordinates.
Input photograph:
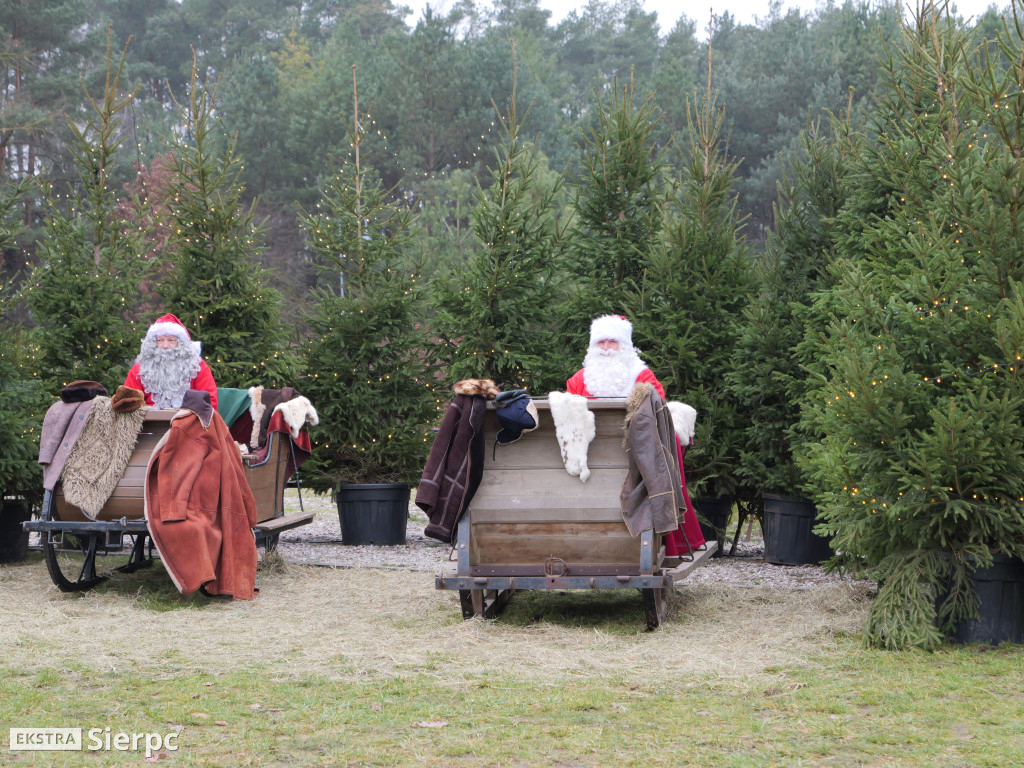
{"type": "Point", "coordinates": [545, 514]}
{"type": "Point", "coordinates": [114, 509]}
{"type": "Point", "coordinates": [285, 522]}
{"type": "Point", "coordinates": [555, 488]}
{"type": "Point", "coordinates": [527, 543]}
{"type": "Point", "coordinates": [542, 451]}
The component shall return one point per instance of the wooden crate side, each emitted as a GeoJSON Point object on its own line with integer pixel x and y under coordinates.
{"type": "Point", "coordinates": [518, 544]}
{"type": "Point", "coordinates": [268, 479]}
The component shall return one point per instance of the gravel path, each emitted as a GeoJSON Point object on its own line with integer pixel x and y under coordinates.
{"type": "Point", "coordinates": [319, 543]}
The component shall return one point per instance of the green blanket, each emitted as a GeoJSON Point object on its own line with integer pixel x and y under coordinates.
{"type": "Point", "coordinates": [232, 403]}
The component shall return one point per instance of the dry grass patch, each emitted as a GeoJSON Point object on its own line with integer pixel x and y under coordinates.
{"type": "Point", "coordinates": [350, 624]}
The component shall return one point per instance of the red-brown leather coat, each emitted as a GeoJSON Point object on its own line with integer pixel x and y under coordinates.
{"type": "Point", "coordinates": [199, 506]}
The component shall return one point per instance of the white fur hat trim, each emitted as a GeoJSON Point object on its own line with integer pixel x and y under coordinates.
{"type": "Point", "coordinates": [612, 327]}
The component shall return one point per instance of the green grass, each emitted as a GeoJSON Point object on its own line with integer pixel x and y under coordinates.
{"type": "Point", "coordinates": [958, 707]}
{"type": "Point", "coordinates": [410, 684]}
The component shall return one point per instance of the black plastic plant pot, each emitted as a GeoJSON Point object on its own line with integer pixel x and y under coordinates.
{"type": "Point", "coordinates": [13, 539]}
{"type": "Point", "coordinates": [713, 514]}
{"type": "Point", "coordinates": [373, 513]}
{"type": "Point", "coordinates": [789, 538]}
{"type": "Point", "coordinates": [1000, 589]}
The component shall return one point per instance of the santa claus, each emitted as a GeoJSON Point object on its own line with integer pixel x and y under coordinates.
{"type": "Point", "coordinates": [612, 368]}
{"type": "Point", "coordinates": [169, 364]}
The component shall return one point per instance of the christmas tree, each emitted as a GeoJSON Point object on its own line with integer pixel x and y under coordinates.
{"type": "Point", "coordinates": [694, 287]}
{"type": "Point", "coordinates": [919, 470]}
{"type": "Point", "coordinates": [496, 315]}
{"type": "Point", "coordinates": [216, 285]}
{"type": "Point", "coordinates": [619, 204]}
{"type": "Point", "coordinates": [23, 400]}
{"type": "Point", "coordinates": [86, 284]}
{"type": "Point", "coordinates": [771, 371]}
{"type": "Point", "coordinates": [368, 364]}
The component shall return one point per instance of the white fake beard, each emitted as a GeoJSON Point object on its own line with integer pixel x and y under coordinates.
{"type": "Point", "coordinates": [610, 372]}
{"type": "Point", "coordinates": [167, 373]}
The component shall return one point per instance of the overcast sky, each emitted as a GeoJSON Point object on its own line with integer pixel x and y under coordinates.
{"type": "Point", "coordinates": [669, 11]}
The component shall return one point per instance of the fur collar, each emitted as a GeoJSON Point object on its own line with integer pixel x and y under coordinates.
{"type": "Point", "coordinates": [636, 398]}
{"type": "Point", "coordinates": [684, 417]}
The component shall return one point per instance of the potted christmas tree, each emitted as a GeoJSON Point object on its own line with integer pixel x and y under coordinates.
{"type": "Point", "coordinates": [695, 284]}
{"type": "Point", "coordinates": [919, 466]}
{"type": "Point", "coordinates": [21, 481]}
{"type": "Point", "coordinates": [773, 365]}
{"type": "Point", "coordinates": [367, 361]}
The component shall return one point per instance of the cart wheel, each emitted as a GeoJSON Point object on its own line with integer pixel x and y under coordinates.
{"type": "Point", "coordinates": [77, 556]}
{"type": "Point", "coordinates": [655, 606]}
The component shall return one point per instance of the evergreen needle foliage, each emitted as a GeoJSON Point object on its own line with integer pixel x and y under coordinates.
{"type": "Point", "coordinates": [920, 468]}
{"type": "Point", "coordinates": [86, 284]}
{"type": "Point", "coordinates": [21, 395]}
{"type": "Point", "coordinates": [619, 206]}
{"type": "Point", "coordinates": [496, 315]}
{"type": "Point", "coordinates": [770, 375]}
{"type": "Point", "coordinates": [694, 287]}
{"type": "Point", "coordinates": [368, 366]}
{"type": "Point", "coordinates": [216, 285]}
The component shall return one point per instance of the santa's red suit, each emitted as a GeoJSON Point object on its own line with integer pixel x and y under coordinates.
{"type": "Point", "coordinates": [593, 380]}
{"type": "Point", "coordinates": [169, 325]}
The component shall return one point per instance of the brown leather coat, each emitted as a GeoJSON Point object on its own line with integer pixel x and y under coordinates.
{"type": "Point", "coordinates": [199, 506]}
{"type": "Point", "coordinates": [455, 466]}
{"type": "Point", "coordinates": [651, 496]}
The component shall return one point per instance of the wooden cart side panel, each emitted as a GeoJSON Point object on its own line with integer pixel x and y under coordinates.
{"type": "Point", "coordinates": [529, 509]}
{"type": "Point", "coordinates": [267, 480]}
{"type": "Point", "coordinates": [126, 501]}
{"type": "Point", "coordinates": [532, 543]}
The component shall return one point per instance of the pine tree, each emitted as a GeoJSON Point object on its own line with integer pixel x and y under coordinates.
{"type": "Point", "coordinates": [496, 315]}
{"type": "Point", "coordinates": [367, 362]}
{"type": "Point", "coordinates": [216, 285]}
{"type": "Point", "coordinates": [23, 400]}
{"type": "Point", "coordinates": [86, 285]}
{"type": "Point", "coordinates": [771, 371]}
{"type": "Point", "coordinates": [619, 211]}
{"type": "Point", "coordinates": [919, 471]}
{"type": "Point", "coordinates": [694, 287]}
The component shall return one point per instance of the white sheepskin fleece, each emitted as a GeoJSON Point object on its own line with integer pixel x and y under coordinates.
{"type": "Point", "coordinates": [684, 420]}
{"type": "Point", "coordinates": [297, 412]}
{"type": "Point", "coordinates": [256, 409]}
{"type": "Point", "coordinates": [574, 428]}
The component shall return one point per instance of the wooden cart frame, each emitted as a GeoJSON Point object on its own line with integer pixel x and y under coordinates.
{"type": "Point", "coordinates": [72, 540]}
{"type": "Point", "coordinates": [531, 525]}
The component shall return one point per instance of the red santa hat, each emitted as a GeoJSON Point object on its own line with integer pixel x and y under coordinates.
{"type": "Point", "coordinates": [168, 325]}
{"type": "Point", "coordinates": [612, 327]}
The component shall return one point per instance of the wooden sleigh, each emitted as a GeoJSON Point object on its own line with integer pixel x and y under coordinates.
{"type": "Point", "coordinates": [72, 540]}
{"type": "Point", "coordinates": [532, 525]}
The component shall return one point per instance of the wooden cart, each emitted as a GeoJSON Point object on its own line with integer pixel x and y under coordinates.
{"type": "Point", "coordinates": [531, 525]}
{"type": "Point", "coordinates": [72, 540]}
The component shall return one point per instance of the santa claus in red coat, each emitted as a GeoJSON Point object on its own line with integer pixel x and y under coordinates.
{"type": "Point", "coordinates": [169, 364]}
{"type": "Point", "coordinates": [611, 368]}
